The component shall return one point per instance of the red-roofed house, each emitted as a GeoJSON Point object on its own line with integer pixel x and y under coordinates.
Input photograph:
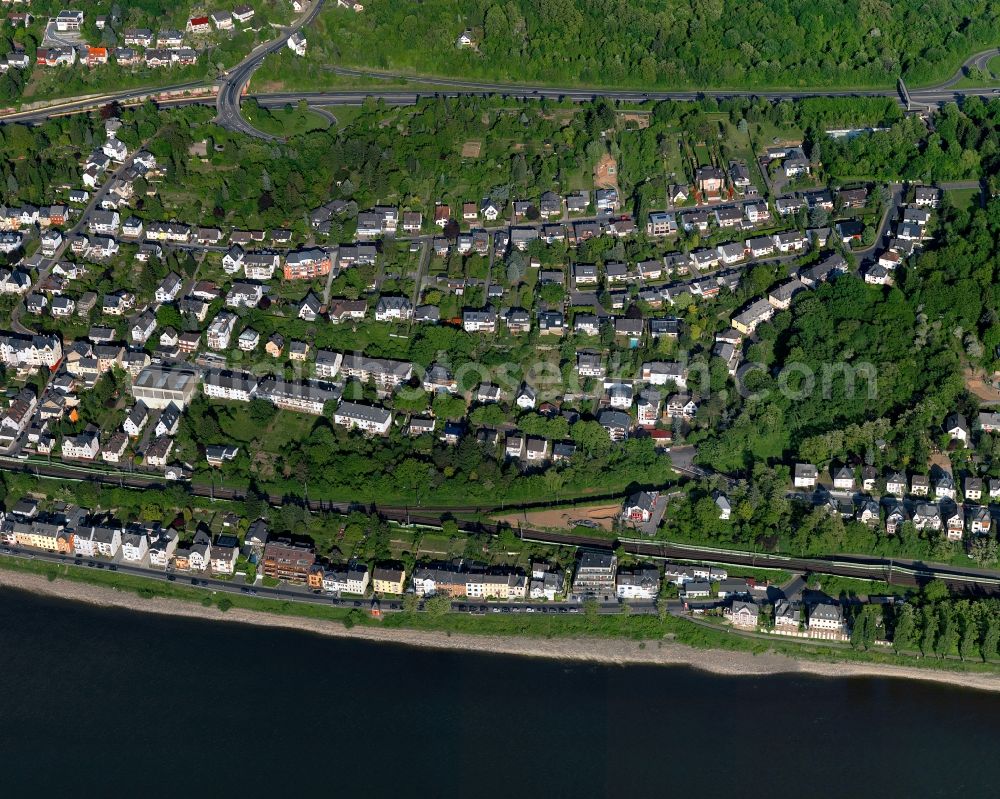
{"type": "Point", "coordinates": [97, 55]}
{"type": "Point", "coordinates": [199, 25]}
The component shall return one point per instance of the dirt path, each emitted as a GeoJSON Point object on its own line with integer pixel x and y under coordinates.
{"type": "Point", "coordinates": [975, 383]}
{"type": "Point", "coordinates": [598, 516]}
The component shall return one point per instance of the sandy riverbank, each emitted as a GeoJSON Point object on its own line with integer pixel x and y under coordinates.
{"type": "Point", "coordinates": [609, 651]}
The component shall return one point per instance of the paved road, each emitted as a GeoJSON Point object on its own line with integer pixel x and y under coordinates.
{"type": "Point", "coordinates": [300, 593]}
{"type": "Point", "coordinates": [901, 571]}
{"type": "Point", "coordinates": [978, 61]}
{"type": "Point", "coordinates": [934, 95]}
{"type": "Point", "coordinates": [45, 267]}
{"type": "Point", "coordinates": [929, 98]}
{"type": "Point", "coordinates": [235, 80]}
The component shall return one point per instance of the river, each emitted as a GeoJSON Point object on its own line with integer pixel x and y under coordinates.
{"type": "Point", "coordinates": [104, 702]}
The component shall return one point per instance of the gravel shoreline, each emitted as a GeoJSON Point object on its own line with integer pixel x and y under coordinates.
{"type": "Point", "coordinates": [594, 650]}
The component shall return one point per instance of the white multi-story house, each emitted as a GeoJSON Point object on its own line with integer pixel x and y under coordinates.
{"type": "Point", "coordinates": [357, 578]}
{"type": "Point", "coordinates": [393, 309]}
{"type": "Point", "coordinates": [229, 385]}
{"type": "Point", "coordinates": [260, 265]}
{"type": "Point", "coordinates": [84, 446]}
{"type": "Point", "coordinates": [787, 615]}
{"type": "Point", "coordinates": [743, 613]}
{"type": "Point", "coordinates": [648, 408]}
{"type": "Point", "coordinates": [369, 418]}
{"type": "Point", "coordinates": [161, 549]}
{"type": "Point", "coordinates": [955, 523]}
{"type": "Point", "coordinates": [200, 558]}
{"type": "Point", "coordinates": [297, 43]}
{"type": "Point", "coordinates": [135, 545]}
{"type": "Point", "coordinates": [927, 515]}
{"type": "Point", "coordinates": [233, 260]}
{"type": "Point", "coordinates": [107, 541]}
{"type": "Point", "coordinates": [843, 478]}
{"type": "Point", "coordinates": [221, 331]}
{"type": "Point", "coordinates": [806, 475]}
{"type": "Point", "coordinates": [224, 553]}
{"type": "Point", "coordinates": [136, 419]}
{"type": "Point", "coordinates": [826, 617]}
{"type": "Point", "coordinates": [641, 582]}
{"type": "Point", "coordinates": [328, 363]}
{"type": "Point", "coordinates": [83, 542]}
{"type": "Point", "coordinates": [245, 295]}
{"type": "Point", "coordinates": [944, 487]}
{"type": "Point", "coordinates": [980, 521]}
{"type": "Point", "coordinates": [143, 328]}
{"type": "Point", "coordinates": [169, 288]}
{"type": "Point", "coordinates": [660, 373]}
{"type": "Point", "coordinates": [35, 351]}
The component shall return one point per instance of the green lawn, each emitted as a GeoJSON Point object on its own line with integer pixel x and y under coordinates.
{"type": "Point", "coordinates": [284, 427]}
{"type": "Point", "coordinates": [848, 586]}
{"type": "Point", "coordinates": [964, 198]}
{"type": "Point", "coordinates": [286, 122]}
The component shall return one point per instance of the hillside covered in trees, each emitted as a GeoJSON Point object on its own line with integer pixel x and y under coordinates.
{"type": "Point", "coordinates": [650, 43]}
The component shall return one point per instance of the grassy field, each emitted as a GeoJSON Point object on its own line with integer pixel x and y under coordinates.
{"type": "Point", "coordinates": [964, 198]}
{"type": "Point", "coordinates": [850, 587]}
{"type": "Point", "coordinates": [286, 122]}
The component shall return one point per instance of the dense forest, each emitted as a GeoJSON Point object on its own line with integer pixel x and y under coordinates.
{"type": "Point", "coordinates": [961, 144]}
{"type": "Point", "coordinates": [327, 461]}
{"type": "Point", "coordinates": [647, 43]}
{"type": "Point", "coordinates": [412, 156]}
{"type": "Point", "coordinates": [886, 360]}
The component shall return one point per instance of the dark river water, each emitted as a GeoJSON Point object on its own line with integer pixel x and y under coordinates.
{"type": "Point", "coordinates": [101, 702]}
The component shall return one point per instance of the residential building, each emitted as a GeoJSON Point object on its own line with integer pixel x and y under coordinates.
{"type": "Point", "coordinates": [388, 579]}
{"type": "Point", "coordinates": [285, 560]}
{"type": "Point", "coordinates": [369, 418]}
{"type": "Point", "coordinates": [638, 582]}
{"type": "Point", "coordinates": [826, 617]}
{"type": "Point", "coordinates": [743, 613]}
{"type": "Point", "coordinates": [595, 573]}
{"type": "Point", "coordinates": [806, 475]}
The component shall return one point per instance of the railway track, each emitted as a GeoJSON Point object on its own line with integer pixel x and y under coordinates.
{"type": "Point", "coordinates": [900, 572]}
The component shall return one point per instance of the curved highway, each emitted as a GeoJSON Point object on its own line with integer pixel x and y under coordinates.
{"type": "Point", "coordinates": [235, 80]}
{"type": "Point", "coordinates": [979, 61]}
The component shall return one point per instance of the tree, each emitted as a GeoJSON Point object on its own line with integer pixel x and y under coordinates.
{"type": "Point", "coordinates": [261, 411]}
{"type": "Point", "coordinates": [818, 217]}
{"type": "Point", "coordinates": [991, 637]}
{"type": "Point", "coordinates": [935, 591]}
{"type": "Point", "coordinates": [983, 550]}
{"type": "Point", "coordinates": [169, 316]}
{"type": "Point", "coordinates": [905, 629]}
{"type": "Point", "coordinates": [437, 605]}
{"type": "Point", "coordinates": [930, 624]}
{"type": "Point", "coordinates": [552, 293]}
{"type": "Point", "coordinates": [865, 627]}
{"type": "Point", "coordinates": [517, 266]}
{"type": "Point", "coordinates": [947, 637]}
{"type": "Point", "coordinates": [409, 401]}
{"type": "Point", "coordinates": [591, 438]}
{"type": "Point", "coordinates": [449, 407]}
{"type": "Point", "coordinates": [968, 631]}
